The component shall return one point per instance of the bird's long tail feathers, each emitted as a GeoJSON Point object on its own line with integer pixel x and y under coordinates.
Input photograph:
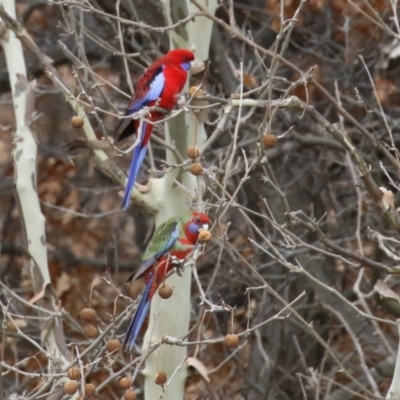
{"type": "Point", "coordinates": [138, 319]}
{"type": "Point", "coordinates": [137, 160]}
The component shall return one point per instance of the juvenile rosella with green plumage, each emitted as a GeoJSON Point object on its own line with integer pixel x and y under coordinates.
{"type": "Point", "coordinates": [158, 86]}
{"type": "Point", "coordinates": [175, 238]}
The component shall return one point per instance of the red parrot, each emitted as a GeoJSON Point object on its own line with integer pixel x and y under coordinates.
{"type": "Point", "coordinates": [176, 237]}
{"type": "Point", "coordinates": [158, 86]}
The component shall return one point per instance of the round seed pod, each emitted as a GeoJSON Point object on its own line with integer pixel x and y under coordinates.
{"type": "Point", "coordinates": [74, 373]}
{"type": "Point", "coordinates": [269, 140]}
{"type": "Point", "coordinates": [90, 389]}
{"type": "Point", "coordinates": [129, 394]}
{"type": "Point", "coordinates": [90, 331]}
{"type": "Point", "coordinates": [113, 345]}
{"type": "Point", "coordinates": [193, 152]}
{"type": "Point", "coordinates": [88, 315]}
{"type": "Point", "coordinates": [160, 378]}
{"type": "Point", "coordinates": [204, 235]}
{"type": "Point", "coordinates": [76, 122]}
{"type": "Point", "coordinates": [232, 340]}
{"type": "Point", "coordinates": [195, 90]}
{"type": "Point", "coordinates": [196, 168]}
{"type": "Point", "coordinates": [70, 387]}
{"type": "Point", "coordinates": [165, 291]}
{"type": "Point", "coordinates": [125, 383]}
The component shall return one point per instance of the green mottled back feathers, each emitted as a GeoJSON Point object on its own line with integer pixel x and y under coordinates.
{"type": "Point", "coordinates": [164, 239]}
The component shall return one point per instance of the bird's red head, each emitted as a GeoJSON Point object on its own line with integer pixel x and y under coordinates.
{"type": "Point", "coordinates": [197, 221]}
{"type": "Point", "coordinates": [180, 57]}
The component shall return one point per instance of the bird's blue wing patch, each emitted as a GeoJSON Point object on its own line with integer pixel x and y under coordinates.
{"type": "Point", "coordinates": [170, 243]}
{"type": "Point", "coordinates": [155, 90]}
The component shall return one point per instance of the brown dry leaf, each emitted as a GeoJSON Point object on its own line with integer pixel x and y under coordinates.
{"type": "Point", "coordinates": [249, 80]}
{"type": "Point", "coordinates": [290, 7]}
{"type": "Point", "coordinates": [241, 242]}
{"type": "Point", "coordinates": [15, 324]}
{"type": "Point", "coordinates": [26, 283]}
{"type": "Point", "coordinates": [38, 21]}
{"type": "Point", "coordinates": [66, 74]}
{"type": "Point", "coordinates": [5, 151]}
{"type": "Point", "coordinates": [388, 197]}
{"type": "Point", "coordinates": [385, 89]}
{"type": "Point", "coordinates": [199, 367]}
{"type": "Point", "coordinates": [197, 67]}
{"type": "Point", "coordinates": [50, 190]}
{"type": "Point", "coordinates": [384, 290]}
{"type": "Point", "coordinates": [71, 202]}
{"type": "Point", "coordinates": [318, 4]}
{"type": "Point", "coordinates": [196, 91]}
{"type": "Point", "coordinates": [63, 284]}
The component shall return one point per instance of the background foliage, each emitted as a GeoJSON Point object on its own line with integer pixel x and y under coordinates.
{"type": "Point", "coordinates": [302, 226]}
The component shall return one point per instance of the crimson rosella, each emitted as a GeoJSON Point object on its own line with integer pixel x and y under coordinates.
{"type": "Point", "coordinates": [158, 86]}
{"type": "Point", "coordinates": [177, 237]}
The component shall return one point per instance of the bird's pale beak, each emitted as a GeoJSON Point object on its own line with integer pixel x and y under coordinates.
{"type": "Point", "coordinates": [205, 227]}
{"type": "Point", "coordinates": [197, 66]}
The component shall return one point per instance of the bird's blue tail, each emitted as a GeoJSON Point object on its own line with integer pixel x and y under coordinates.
{"type": "Point", "coordinates": [138, 319]}
{"type": "Point", "coordinates": [137, 160]}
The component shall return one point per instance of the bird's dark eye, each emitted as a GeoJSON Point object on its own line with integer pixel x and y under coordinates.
{"type": "Point", "coordinates": [198, 220]}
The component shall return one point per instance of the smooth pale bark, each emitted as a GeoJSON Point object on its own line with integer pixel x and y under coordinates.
{"type": "Point", "coordinates": [173, 315]}
{"type": "Point", "coordinates": [394, 390]}
{"type": "Point", "coordinates": [25, 180]}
